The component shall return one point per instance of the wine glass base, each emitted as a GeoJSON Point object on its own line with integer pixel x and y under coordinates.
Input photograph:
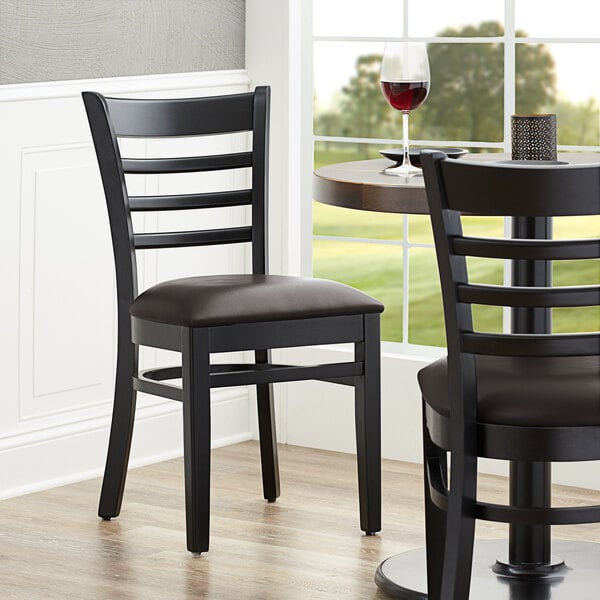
{"type": "Point", "coordinates": [403, 170]}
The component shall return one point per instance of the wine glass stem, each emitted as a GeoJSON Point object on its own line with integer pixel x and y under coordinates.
{"type": "Point", "coordinates": [406, 160]}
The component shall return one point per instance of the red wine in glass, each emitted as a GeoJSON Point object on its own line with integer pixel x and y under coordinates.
{"type": "Point", "coordinates": [404, 81]}
{"type": "Point", "coordinates": [405, 95]}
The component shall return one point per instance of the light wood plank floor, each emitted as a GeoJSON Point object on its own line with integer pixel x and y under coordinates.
{"type": "Point", "coordinates": [305, 546]}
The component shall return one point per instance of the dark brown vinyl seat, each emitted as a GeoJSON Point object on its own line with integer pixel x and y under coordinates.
{"type": "Point", "coordinates": [530, 395]}
{"type": "Point", "coordinates": [246, 298]}
{"type": "Point", "coordinates": [203, 315]}
{"type": "Point", "coordinates": [524, 391]}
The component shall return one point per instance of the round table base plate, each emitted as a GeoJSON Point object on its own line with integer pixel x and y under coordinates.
{"type": "Point", "coordinates": [404, 576]}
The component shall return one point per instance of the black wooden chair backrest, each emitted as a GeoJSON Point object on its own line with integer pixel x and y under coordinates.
{"type": "Point", "coordinates": [455, 188]}
{"type": "Point", "coordinates": [112, 118]}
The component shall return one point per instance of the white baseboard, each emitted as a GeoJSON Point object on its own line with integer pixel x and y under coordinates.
{"type": "Point", "coordinates": [62, 455]}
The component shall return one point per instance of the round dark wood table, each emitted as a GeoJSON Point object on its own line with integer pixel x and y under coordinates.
{"type": "Point", "coordinates": [362, 185]}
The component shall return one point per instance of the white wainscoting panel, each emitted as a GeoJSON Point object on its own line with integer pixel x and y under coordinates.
{"type": "Point", "coordinates": [67, 310]}
{"type": "Point", "coordinates": [57, 309]}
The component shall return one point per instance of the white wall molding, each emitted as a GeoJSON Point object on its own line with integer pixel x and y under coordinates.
{"type": "Point", "coordinates": [57, 306]}
{"type": "Point", "coordinates": [69, 452]}
{"type": "Point", "coordinates": [97, 419]}
{"type": "Point", "coordinates": [125, 85]}
{"type": "Point", "coordinates": [278, 28]}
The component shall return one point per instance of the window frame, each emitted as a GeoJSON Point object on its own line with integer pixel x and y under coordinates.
{"type": "Point", "coordinates": [510, 42]}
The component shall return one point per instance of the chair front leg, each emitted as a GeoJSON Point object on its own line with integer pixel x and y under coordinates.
{"type": "Point", "coordinates": [267, 433]}
{"type": "Point", "coordinates": [435, 517]}
{"type": "Point", "coordinates": [196, 436]}
{"type": "Point", "coordinates": [460, 529]}
{"type": "Point", "coordinates": [367, 397]}
{"type": "Point", "coordinates": [121, 429]}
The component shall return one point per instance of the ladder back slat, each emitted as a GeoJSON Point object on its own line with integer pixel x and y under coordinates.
{"type": "Point", "coordinates": [191, 201]}
{"type": "Point", "coordinates": [181, 116]}
{"type": "Point", "coordinates": [187, 164]}
{"type": "Point", "coordinates": [181, 239]}
{"type": "Point", "coordinates": [509, 190]}
{"type": "Point", "coordinates": [497, 344]}
{"type": "Point", "coordinates": [497, 295]}
{"type": "Point", "coordinates": [526, 249]}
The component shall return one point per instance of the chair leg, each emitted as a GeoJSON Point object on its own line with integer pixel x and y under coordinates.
{"type": "Point", "coordinates": [460, 529]}
{"type": "Point", "coordinates": [196, 436]}
{"type": "Point", "coordinates": [267, 434]}
{"type": "Point", "coordinates": [121, 429]}
{"type": "Point", "coordinates": [435, 518]}
{"type": "Point", "coordinates": [367, 392]}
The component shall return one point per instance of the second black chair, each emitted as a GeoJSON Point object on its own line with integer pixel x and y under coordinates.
{"type": "Point", "coordinates": [531, 397]}
{"type": "Point", "coordinates": [200, 315]}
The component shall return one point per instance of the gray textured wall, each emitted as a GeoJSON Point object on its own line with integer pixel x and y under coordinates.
{"type": "Point", "coordinates": [49, 40]}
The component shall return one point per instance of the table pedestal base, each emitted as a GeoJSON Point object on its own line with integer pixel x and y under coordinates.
{"type": "Point", "coordinates": [404, 576]}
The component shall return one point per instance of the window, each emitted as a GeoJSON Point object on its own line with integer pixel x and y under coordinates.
{"type": "Point", "coordinates": [488, 60]}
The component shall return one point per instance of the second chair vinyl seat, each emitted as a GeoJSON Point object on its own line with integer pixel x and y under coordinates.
{"type": "Point", "coordinates": [230, 299]}
{"type": "Point", "coordinates": [539, 392]}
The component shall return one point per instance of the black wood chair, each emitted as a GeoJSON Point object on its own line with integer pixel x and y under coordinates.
{"type": "Point", "coordinates": [204, 314]}
{"type": "Point", "coordinates": [527, 397]}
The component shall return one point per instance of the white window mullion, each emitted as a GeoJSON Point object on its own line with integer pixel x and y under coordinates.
{"type": "Point", "coordinates": [405, 276]}
{"type": "Point", "coordinates": [509, 110]}
{"type": "Point", "coordinates": [441, 143]}
{"type": "Point", "coordinates": [550, 40]}
{"type": "Point", "coordinates": [454, 39]}
{"type": "Point", "coordinates": [509, 69]}
{"type": "Point", "coordinates": [307, 145]}
{"type": "Point", "coordinates": [425, 40]}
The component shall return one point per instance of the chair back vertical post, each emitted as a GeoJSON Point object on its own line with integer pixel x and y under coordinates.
{"type": "Point", "coordinates": [260, 180]}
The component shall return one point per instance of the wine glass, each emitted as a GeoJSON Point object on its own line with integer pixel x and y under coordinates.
{"type": "Point", "coordinates": [405, 85]}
